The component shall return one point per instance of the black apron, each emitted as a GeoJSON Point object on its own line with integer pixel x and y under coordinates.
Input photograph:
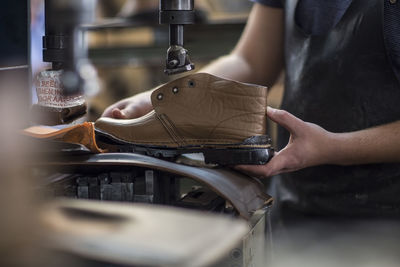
{"type": "Point", "coordinates": [342, 81]}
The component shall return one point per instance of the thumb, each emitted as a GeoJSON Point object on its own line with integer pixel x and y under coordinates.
{"type": "Point", "coordinates": [284, 119]}
{"type": "Point", "coordinates": [128, 112]}
{"type": "Point", "coordinates": [276, 165]}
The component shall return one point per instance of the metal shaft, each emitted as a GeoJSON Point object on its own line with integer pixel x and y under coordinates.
{"type": "Point", "coordinates": [176, 5]}
{"type": "Point", "coordinates": [63, 43]}
{"type": "Point", "coordinates": [176, 35]}
{"type": "Point", "coordinates": [177, 13]}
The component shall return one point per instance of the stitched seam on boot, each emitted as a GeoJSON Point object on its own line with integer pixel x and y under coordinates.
{"type": "Point", "coordinates": [189, 141]}
{"type": "Point", "coordinates": [171, 129]}
{"type": "Point", "coordinates": [230, 118]}
{"type": "Point", "coordinates": [198, 142]}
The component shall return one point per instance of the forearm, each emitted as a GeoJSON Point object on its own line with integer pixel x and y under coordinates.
{"type": "Point", "coordinates": [258, 56]}
{"type": "Point", "coordinates": [374, 145]}
{"type": "Point", "coordinates": [310, 145]}
{"type": "Point", "coordinates": [231, 67]}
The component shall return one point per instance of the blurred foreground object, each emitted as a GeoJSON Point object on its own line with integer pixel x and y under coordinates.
{"type": "Point", "coordinates": [134, 178]}
{"type": "Point", "coordinates": [141, 234]}
{"type": "Point", "coordinates": [344, 242]}
{"type": "Point", "coordinates": [20, 233]}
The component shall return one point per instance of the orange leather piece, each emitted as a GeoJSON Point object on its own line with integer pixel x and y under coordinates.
{"type": "Point", "coordinates": [79, 134]}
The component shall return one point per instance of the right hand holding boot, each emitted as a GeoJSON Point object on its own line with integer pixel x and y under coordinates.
{"type": "Point", "coordinates": [131, 107]}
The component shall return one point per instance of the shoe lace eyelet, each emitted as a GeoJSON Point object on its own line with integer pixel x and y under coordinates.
{"type": "Point", "coordinates": [160, 96]}
{"type": "Point", "coordinates": [175, 90]}
{"type": "Point", "coordinates": [191, 83]}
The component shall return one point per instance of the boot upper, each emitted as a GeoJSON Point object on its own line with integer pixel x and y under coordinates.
{"type": "Point", "coordinates": [194, 110]}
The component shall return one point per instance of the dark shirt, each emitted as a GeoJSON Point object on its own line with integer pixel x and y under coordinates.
{"type": "Point", "coordinates": [316, 17]}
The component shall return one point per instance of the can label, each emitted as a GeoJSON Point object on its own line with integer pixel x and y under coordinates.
{"type": "Point", "coordinates": [49, 91]}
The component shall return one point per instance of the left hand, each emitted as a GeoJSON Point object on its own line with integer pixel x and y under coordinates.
{"type": "Point", "coordinates": [309, 145]}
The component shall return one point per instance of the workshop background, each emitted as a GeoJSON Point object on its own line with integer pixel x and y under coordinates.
{"type": "Point", "coordinates": [127, 47]}
{"type": "Point", "coordinates": [129, 55]}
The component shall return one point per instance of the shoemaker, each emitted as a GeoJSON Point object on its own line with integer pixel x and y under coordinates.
{"type": "Point", "coordinates": [339, 144]}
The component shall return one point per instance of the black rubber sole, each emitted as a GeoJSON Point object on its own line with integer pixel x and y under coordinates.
{"type": "Point", "coordinates": [235, 154]}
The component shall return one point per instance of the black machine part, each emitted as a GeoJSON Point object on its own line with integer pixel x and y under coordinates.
{"type": "Point", "coordinates": [177, 13]}
{"type": "Point", "coordinates": [244, 193]}
{"type": "Point", "coordinates": [63, 43]}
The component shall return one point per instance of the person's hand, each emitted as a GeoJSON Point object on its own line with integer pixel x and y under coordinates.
{"type": "Point", "coordinates": [130, 108]}
{"type": "Point", "coordinates": [309, 145]}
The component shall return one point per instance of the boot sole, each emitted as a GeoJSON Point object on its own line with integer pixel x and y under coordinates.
{"type": "Point", "coordinates": [256, 150]}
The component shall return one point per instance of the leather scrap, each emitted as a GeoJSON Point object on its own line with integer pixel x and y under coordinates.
{"type": "Point", "coordinates": [78, 134]}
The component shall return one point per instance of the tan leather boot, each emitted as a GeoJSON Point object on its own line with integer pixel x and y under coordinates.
{"type": "Point", "coordinates": [223, 119]}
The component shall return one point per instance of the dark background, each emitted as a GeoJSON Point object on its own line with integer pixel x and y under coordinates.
{"type": "Point", "coordinates": [14, 33]}
{"type": "Point", "coordinates": [14, 52]}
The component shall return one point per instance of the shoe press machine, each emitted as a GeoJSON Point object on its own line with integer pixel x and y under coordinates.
{"type": "Point", "coordinates": [63, 44]}
{"type": "Point", "coordinates": [72, 172]}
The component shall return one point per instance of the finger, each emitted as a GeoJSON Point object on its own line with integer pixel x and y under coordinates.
{"type": "Point", "coordinates": [107, 113]}
{"type": "Point", "coordinates": [277, 165]}
{"type": "Point", "coordinates": [260, 171]}
{"type": "Point", "coordinates": [130, 112]}
{"type": "Point", "coordinates": [284, 118]}
{"type": "Point", "coordinates": [136, 110]}
{"type": "Point", "coordinates": [118, 114]}
{"type": "Point", "coordinates": [251, 170]}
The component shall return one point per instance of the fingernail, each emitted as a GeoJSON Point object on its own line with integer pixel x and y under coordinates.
{"type": "Point", "coordinates": [271, 110]}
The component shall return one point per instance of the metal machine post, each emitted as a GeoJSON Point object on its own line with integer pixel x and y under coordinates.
{"type": "Point", "coordinates": [63, 43]}
{"type": "Point", "coordinates": [177, 13]}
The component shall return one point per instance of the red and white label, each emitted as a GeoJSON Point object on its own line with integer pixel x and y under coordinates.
{"type": "Point", "coordinates": [49, 91]}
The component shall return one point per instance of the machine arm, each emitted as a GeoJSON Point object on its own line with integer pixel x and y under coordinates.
{"type": "Point", "coordinates": [63, 43]}
{"type": "Point", "coordinates": [177, 13]}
